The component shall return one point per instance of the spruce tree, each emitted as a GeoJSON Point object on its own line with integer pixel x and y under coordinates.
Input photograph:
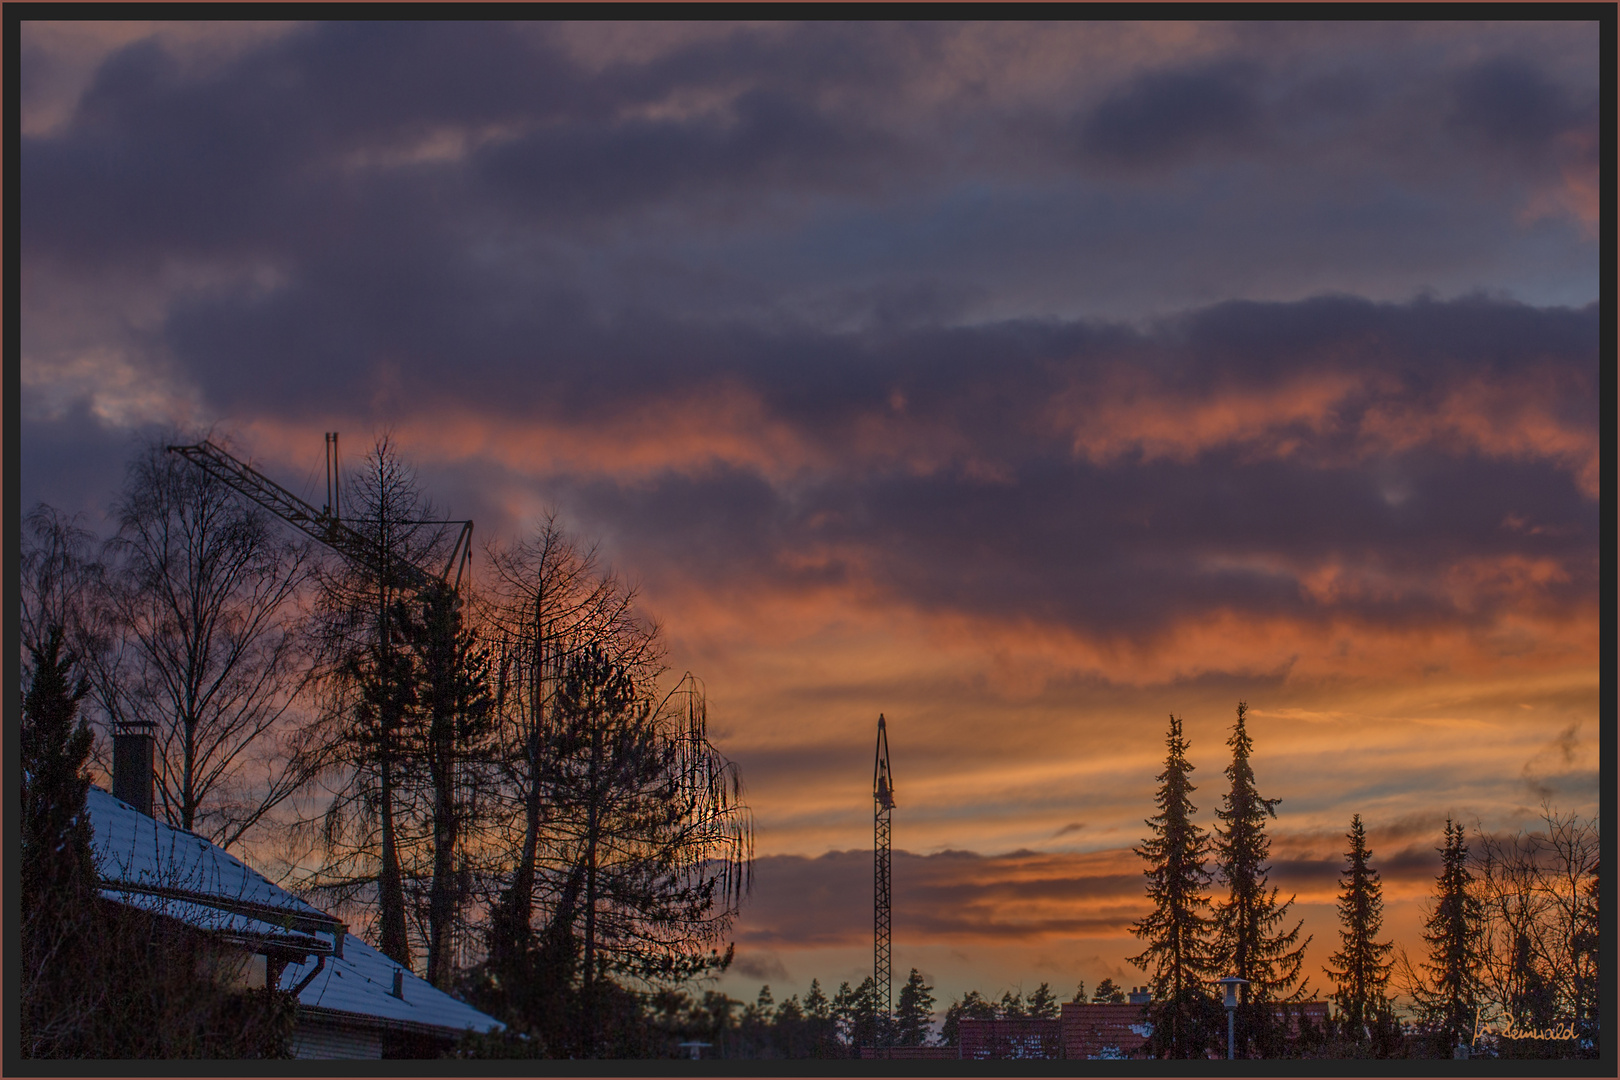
{"type": "Point", "coordinates": [1452, 931]}
{"type": "Point", "coordinates": [915, 1012]}
{"type": "Point", "coordinates": [1249, 940]}
{"type": "Point", "coordinates": [1043, 1003]}
{"type": "Point", "coordinates": [60, 884]}
{"type": "Point", "coordinates": [1177, 952]}
{"type": "Point", "coordinates": [1360, 966]}
{"type": "Point", "coordinates": [819, 1022]}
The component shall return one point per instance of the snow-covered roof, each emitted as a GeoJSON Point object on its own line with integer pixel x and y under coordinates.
{"type": "Point", "coordinates": [363, 981]}
{"type": "Point", "coordinates": [151, 865]}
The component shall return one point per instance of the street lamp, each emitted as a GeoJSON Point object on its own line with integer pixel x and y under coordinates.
{"type": "Point", "coordinates": [1231, 983]}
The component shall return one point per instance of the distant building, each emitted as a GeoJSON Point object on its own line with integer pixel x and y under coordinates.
{"type": "Point", "coordinates": [353, 1001]}
{"type": "Point", "coordinates": [1000, 1040]}
{"type": "Point", "coordinates": [1103, 1032]}
{"type": "Point", "coordinates": [1081, 1032]}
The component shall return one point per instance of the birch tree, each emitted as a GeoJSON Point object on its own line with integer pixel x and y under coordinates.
{"type": "Point", "coordinates": [201, 600]}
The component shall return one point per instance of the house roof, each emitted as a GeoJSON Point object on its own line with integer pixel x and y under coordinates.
{"type": "Point", "coordinates": [153, 866]}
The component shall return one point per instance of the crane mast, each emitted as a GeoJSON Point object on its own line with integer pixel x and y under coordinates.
{"type": "Point", "coordinates": [882, 951]}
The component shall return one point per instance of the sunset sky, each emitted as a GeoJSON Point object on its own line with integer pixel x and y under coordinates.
{"type": "Point", "coordinates": [1024, 383]}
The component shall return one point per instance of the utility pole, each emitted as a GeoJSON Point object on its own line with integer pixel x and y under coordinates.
{"type": "Point", "coordinates": [882, 952]}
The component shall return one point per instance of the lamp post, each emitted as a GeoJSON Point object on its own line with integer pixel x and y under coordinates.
{"type": "Point", "coordinates": [1231, 983]}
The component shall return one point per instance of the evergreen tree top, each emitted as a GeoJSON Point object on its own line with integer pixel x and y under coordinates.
{"type": "Point", "coordinates": [1250, 941]}
{"type": "Point", "coordinates": [1175, 933]}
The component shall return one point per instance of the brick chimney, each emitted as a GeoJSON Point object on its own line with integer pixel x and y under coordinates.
{"type": "Point", "coordinates": [132, 765]}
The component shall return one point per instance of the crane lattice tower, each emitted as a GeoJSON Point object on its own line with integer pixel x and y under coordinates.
{"type": "Point", "coordinates": [882, 945]}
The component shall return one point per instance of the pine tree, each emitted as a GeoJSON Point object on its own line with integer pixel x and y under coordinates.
{"type": "Point", "coordinates": [915, 1012]}
{"type": "Point", "coordinates": [1249, 942]}
{"type": "Point", "coordinates": [1453, 933]}
{"type": "Point", "coordinates": [1108, 994]}
{"type": "Point", "coordinates": [1043, 1004]}
{"type": "Point", "coordinates": [1177, 952]}
{"type": "Point", "coordinates": [1360, 967]}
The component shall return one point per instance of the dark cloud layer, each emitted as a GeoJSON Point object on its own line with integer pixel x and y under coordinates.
{"type": "Point", "coordinates": [338, 137]}
{"type": "Point", "coordinates": [1010, 523]}
{"type": "Point", "coordinates": [1164, 116]}
{"type": "Point", "coordinates": [396, 222]}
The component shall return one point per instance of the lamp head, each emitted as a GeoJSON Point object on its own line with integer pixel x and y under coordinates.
{"type": "Point", "coordinates": [1231, 983]}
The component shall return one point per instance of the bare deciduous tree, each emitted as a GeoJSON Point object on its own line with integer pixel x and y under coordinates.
{"type": "Point", "coordinates": [1538, 959]}
{"type": "Point", "coordinates": [59, 573]}
{"type": "Point", "coordinates": [201, 601]}
{"type": "Point", "coordinates": [625, 835]}
{"type": "Point", "coordinates": [548, 602]}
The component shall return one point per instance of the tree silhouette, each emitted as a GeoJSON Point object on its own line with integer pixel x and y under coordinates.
{"type": "Point", "coordinates": [1448, 991]}
{"type": "Point", "coordinates": [1177, 951]}
{"type": "Point", "coordinates": [915, 1011]}
{"type": "Point", "coordinates": [59, 880]}
{"type": "Point", "coordinates": [1360, 966]}
{"type": "Point", "coordinates": [1043, 1004]}
{"type": "Point", "coordinates": [447, 744]}
{"type": "Point", "coordinates": [1108, 994]}
{"type": "Point", "coordinates": [200, 601]}
{"type": "Point", "coordinates": [971, 1006]}
{"type": "Point", "coordinates": [1249, 940]}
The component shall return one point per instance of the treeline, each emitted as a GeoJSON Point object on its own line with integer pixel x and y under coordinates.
{"type": "Point", "coordinates": [672, 1022]}
{"type": "Point", "coordinates": [1511, 934]}
{"type": "Point", "coordinates": [486, 781]}
{"type": "Point", "coordinates": [820, 1026]}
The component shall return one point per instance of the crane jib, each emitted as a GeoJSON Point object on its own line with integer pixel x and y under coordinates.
{"type": "Point", "coordinates": [351, 544]}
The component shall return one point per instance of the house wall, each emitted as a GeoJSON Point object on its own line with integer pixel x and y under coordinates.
{"type": "Point", "coordinates": [910, 1053]}
{"type": "Point", "coordinates": [317, 1039]}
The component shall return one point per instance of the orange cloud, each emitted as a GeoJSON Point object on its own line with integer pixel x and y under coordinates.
{"type": "Point", "coordinates": [1503, 419]}
{"type": "Point", "coordinates": [1131, 414]}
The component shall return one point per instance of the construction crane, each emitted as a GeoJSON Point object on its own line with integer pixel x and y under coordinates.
{"type": "Point", "coordinates": [882, 951]}
{"type": "Point", "coordinates": [325, 524]}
